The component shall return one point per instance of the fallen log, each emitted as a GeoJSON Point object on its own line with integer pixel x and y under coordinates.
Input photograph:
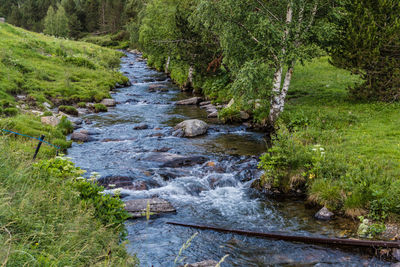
{"type": "Point", "coordinates": [295, 238]}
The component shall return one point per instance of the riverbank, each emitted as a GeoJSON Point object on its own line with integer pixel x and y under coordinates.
{"type": "Point", "coordinates": [49, 216]}
{"type": "Point", "coordinates": [340, 153]}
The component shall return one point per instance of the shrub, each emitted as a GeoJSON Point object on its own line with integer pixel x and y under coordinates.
{"type": "Point", "coordinates": [80, 62]}
{"type": "Point", "coordinates": [69, 110]}
{"type": "Point", "coordinates": [100, 108]}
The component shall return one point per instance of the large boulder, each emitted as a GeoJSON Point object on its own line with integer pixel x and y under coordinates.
{"type": "Point", "coordinates": [50, 120]}
{"type": "Point", "coordinates": [190, 101]}
{"type": "Point", "coordinates": [192, 128]}
{"type": "Point", "coordinates": [137, 207]}
{"type": "Point", "coordinates": [109, 102]}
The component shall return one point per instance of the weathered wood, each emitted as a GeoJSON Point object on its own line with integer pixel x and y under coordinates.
{"type": "Point", "coordinates": [303, 239]}
{"type": "Point", "coordinates": [137, 207]}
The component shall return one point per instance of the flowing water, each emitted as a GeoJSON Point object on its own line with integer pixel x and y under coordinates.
{"type": "Point", "coordinates": [216, 195]}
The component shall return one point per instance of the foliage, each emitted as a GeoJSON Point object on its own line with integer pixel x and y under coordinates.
{"type": "Point", "coordinates": [368, 44]}
{"type": "Point", "coordinates": [357, 171]}
{"type": "Point", "coordinates": [46, 222]}
{"type": "Point", "coordinates": [56, 23]}
{"type": "Point", "coordinates": [100, 108]}
{"type": "Point", "coordinates": [69, 110]}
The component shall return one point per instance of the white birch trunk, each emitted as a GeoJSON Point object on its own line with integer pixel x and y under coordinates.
{"type": "Point", "coordinates": [279, 92]}
{"type": "Point", "coordinates": [167, 65]}
{"type": "Point", "coordinates": [190, 76]}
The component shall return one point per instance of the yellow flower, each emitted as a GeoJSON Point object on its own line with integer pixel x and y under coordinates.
{"type": "Point", "coordinates": [311, 176]}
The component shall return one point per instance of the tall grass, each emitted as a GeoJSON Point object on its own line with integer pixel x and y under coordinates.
{"type": "Point", "coordinates": [43, 221]}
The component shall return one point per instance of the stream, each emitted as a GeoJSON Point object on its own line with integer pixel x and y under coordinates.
{"type": "Point", "coordinates": [216, 193]}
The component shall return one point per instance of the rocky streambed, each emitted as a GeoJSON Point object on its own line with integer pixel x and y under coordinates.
{"type": "Point", "coordinates": [197, 175]}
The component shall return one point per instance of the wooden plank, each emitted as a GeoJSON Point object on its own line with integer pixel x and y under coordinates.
{"type": "Point", "coordinates": [295, 238]}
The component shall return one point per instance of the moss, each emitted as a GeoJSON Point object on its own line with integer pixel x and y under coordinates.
{"type": "Point", "coordinates": [69, 110]}
{"type": "Point", "coordinates": [81, 105]}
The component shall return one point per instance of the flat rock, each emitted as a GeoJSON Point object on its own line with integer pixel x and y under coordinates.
{"type": "Point", "coordinates": [163, 157]}
{"type": "Point", "coordinates": [207, 263]}
{"type": "Point", "coordinates": [81, 137]}
{"type": "Point", "coordinates": [109, 102]}
{"type": "Point", "coordinates": [115, 181]}
{"type": "Point", "coordinates": [205, 103]}
{"type": "Point", "coordinates": [137, 207]}
{"type": "Point", "coordinates": [50, 120]}
{"type": "Point", "coordinates": [185, 161]}
{"type": "Point", "coordinates": [324, 214]}
{"type": "Point", "coordinates": [192, 128]}
{"type": "Point", "coordinates": [190, 101]}
{"type": "Point", "coordinates": [141, 127]}
{"type": "Point", "coordinates": [213, 115]}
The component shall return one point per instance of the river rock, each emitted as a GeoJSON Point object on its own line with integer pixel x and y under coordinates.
{"type": "Point", "coordinates": [137, 207]}
{"type": "Point", "coordinates": [396, 254]}
{"type": "Point", "coordinates": [141, 127]}
{"type": "Point", "coordinates": [324, 214]}
{"type": "Point", "coordinates": [109, 102]}
{"type": "Point", "coordinates": [185, 161]}
{"type": "Point", "coordinates": [47, 105]}
{"type": "Point", "coordinates": [115, 181]}
{"type": "Point", "coordinates": [207, 263]}
{"type": "Point", "coordinates": [192, 128]}
{"type": "Point", "coordinates": [50, 120]}
{"type": "Point", "coordinates": [205, 103]}
{"type": "Point", "coordinates": [244, 115]}
{"type": "Point", "coordinates": [163, 157]}
{"type": "Point", "coordinates": [213, 115]}
{"type": "Point", "coordinates": [190, 101]}
{"type": "Point", "coordinates": [81, 137]}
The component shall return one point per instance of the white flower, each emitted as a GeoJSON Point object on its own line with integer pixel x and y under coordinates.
{"type": "Point", "coordinates": [111, 185]}
{"type": "Point", "coordinates": [80, 178]}
{"type": "Point", "coordinates": [101, 193]}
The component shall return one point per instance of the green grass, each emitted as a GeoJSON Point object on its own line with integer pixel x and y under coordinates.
{"type": "Point", "coordinates": [44, 222]}
{"type": "Point", "coordinates": [58, 71]}
{"type": "Point", "coordinates": [359, 171]}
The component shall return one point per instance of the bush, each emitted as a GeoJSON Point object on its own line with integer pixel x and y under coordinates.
{"type": "Point", "coordinates": [69, 110]}
{"type": "Point", "coordinates": [100, 108]}
{"type": "Point", "coordinates": [80, 62]}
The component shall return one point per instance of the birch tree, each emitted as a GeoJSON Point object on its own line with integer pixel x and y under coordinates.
{"type": "Point", "coordinates": [273, 33]}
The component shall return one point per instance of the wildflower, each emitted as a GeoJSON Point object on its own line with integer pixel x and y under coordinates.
{"type": "Point", "coordinates": [311, 176]}
{"type": "Point", "coordinates": [101, 193]}
{"type": "Point", "coordinates": [117, 191]}
{"type": "Point", "coordinates": [80, 178]}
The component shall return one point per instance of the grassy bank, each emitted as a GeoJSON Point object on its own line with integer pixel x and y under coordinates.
{"type": "Point", "coordinates": [45, 220]}
{"type": "Point", "coordinates": [49, 216]}
{"type": "Point", "coordinates": [343, 153]}
{"type": "Point", "coordinates": [56, 71]}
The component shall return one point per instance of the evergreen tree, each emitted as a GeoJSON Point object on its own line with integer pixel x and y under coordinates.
{"type": "Point", "coordinates": [369, 45]}
{"type": "Point", "coordinates": [50, 27]}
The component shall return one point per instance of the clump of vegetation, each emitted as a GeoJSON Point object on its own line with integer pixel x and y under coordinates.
{"type": "Point", "coordinates": [81, 105]}
{"type": "Point", "coordinates": [100, 108]}
{"type": "Point", "coordinates": [69, 110]}
{"type": "Point", "coordinates": [60, 219]}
